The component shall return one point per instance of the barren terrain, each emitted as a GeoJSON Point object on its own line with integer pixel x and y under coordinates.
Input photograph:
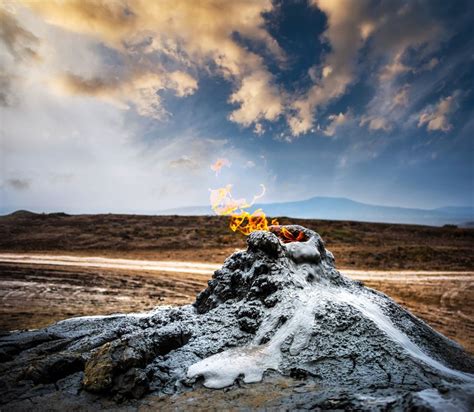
{"type": "Point", "coordinates": [355, 245]}
{"type": "Point", "coordinates": [36, 294]}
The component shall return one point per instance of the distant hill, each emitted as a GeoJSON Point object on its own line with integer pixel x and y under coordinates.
{"type": "Point", "coordinates": [333, 208]}
{"type": "Point", "coordinates": [339, 208]}
{"type": "Point", "coordinates": [457, 210]}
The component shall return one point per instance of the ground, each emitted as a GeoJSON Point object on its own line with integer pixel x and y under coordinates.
{"type": "Point", "coordinates": [34, 295]}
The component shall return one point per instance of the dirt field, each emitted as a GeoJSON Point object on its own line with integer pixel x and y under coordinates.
{"type": "Point", "coordinates": [33, 296]}
{"type": "Point", "coordinates": [204, 238]}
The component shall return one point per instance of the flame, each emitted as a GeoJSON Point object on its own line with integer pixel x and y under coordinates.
{"type": "Point", "coordinates": [241, 220]}
{"type": "Point", "coordinates": [288, 236]}
{"type": "Point", "coordinates": [219, 164]}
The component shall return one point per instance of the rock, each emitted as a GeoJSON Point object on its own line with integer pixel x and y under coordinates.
{"type": "Point", "coordinates": [278, 326]}
{"type": "Point", "coordinates": [54, 367]}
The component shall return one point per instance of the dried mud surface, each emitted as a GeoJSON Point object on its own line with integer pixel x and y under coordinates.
{"type": "Point", "coordinates": [356, 245]}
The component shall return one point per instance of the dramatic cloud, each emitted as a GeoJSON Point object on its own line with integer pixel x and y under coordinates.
{"type": "Point", "coordinates": [123, 105]}
{"type": "Point", "coordinates": [167, 45]}
{"type": "Point", "coordinates": [186, 34]}
{"type": "Point", "coordinates": [392, 27]}
{"type": "Point", "coordinates": [139, 89]}
{"type": "Point", "coordinates": [437, 117]}
{"type": "Point", "coordinates": [94, 161]}
{"type": "Point", "coordinates": [345, 34]}
{"type": "Point", "coordinates": [258, 99]}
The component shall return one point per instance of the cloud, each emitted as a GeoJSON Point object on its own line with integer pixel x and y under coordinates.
{"type": "Point", "coordinates": [140, 89]}
{"type": "Point", "coordinates": [346, 32]}
{"type": "Point", "coordinates": [259, 100]}
{"type": "Point", "coordinates": [21, 43]}
{"type": "Point", "coordinates": [186, 35]}
{"type": "Point", "coordinates": [184, 162]}
{"type": "Point", "coordinates": [392, 27]}
{"type": "Point", "coordinates": [437, 117]}
{"type": "Point", "coordinates": [403, 27]}
{"type": "Point", "coordinates": [7, 82]}
{"type": "Point", "coordinates": [259, 129]}
{"type": "Point", "coordinates": [429, 65]}
{"type": "Point", "coordinates": [394, 68]}
{"type": "Point", "coordinates": [18, 47]}
{"type": "Point", "coordinates": [400, 99]}
{"type": "Point", "coordinates": [154, 47]}
{"type": "Point", "coordinates": [97, 161]}
{"type": "Point", "coordinates": [335, 120]}
{"type": "Point", "coordinates": [19, 183]}
{"type": "Point", "coordinates": [386, 108]}
{"type": "Point", "coordinates": [375, 123]}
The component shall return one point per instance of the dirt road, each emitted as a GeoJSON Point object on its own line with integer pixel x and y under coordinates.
{"type": "Point", "coordinates": [36, 290]}
{"type": "Point", "coordinates": [111, 263]}
{"type": "Point", "coordinates": [199, 268]}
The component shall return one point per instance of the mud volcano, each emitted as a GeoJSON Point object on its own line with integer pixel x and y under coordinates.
{"type": "Point", "coordinates": [278, 327]}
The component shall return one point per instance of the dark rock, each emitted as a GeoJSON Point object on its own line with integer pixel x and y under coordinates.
{"type": "Point", "coordinates": [54, 367]}
{"type": "Point", "coordinates": [249, 317]}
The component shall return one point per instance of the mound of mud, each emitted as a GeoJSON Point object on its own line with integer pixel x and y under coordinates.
{"type": "Point", "coordinates": [277, 327]}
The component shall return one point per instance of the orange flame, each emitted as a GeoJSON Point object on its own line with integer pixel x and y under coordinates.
{"type": "Point", "coordinates": [219, 164]}
{"type": "Point", "coordinates": [288, 236]}
{"type": "Point", "coordinates": [241, 220]}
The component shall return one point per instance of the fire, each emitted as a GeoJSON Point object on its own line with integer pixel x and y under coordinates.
{"type": "Point", "coordinates": [219, 164]}
{"type": "Point", "coordinates": [241, 219]}
{"type": "Point", "coordinates": [287, 236]}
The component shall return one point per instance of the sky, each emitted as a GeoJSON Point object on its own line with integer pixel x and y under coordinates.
{"type": "Point", "coordinates": [124, 106]}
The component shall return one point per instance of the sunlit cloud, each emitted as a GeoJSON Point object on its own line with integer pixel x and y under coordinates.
{"type": "Point", "coordinates": [335, 120]}
{"type": "Point", "coordinates": [140, 89]}
{"type": "Point", "coordinates": [437, 117]}
{"type": "Point", "coordinates": [392, 29]}
{"type": "Point", "coordinates": [375, 123]}
{"type": "Point", "coordinates": [142, 31]}
{"type": "Point", "coordinates": [394, 68]}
